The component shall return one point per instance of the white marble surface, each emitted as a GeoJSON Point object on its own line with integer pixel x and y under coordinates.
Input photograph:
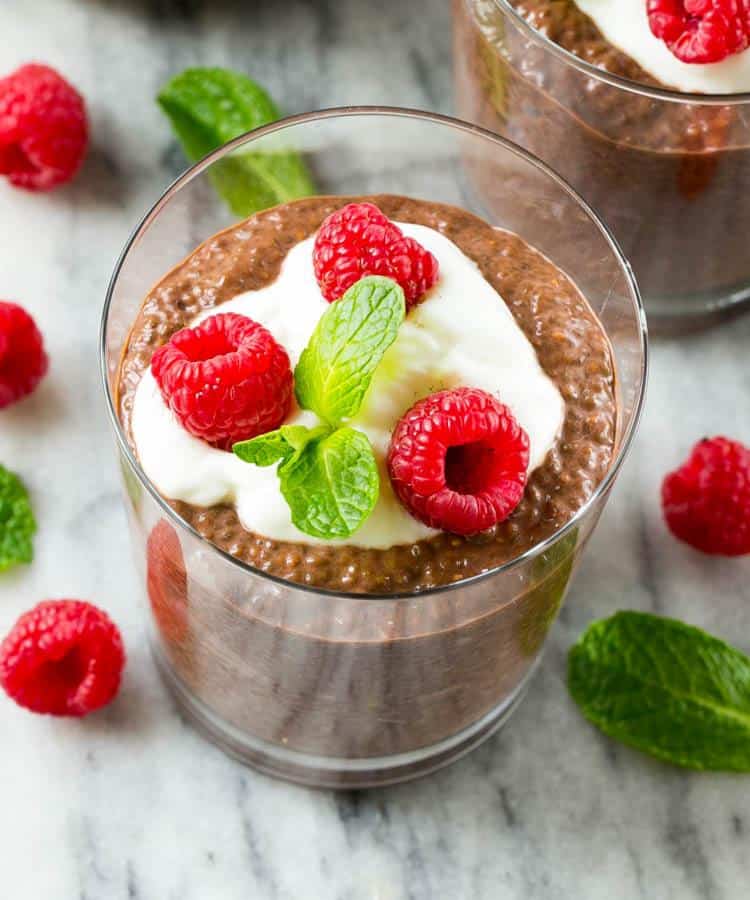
{"type": "Point", "coordinates": [131, 803]}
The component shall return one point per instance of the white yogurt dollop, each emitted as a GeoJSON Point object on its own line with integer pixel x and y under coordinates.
{"type": "Point", "coordinates": [624, 23]}
{"type": "Point", "coordinates": [461, 334]}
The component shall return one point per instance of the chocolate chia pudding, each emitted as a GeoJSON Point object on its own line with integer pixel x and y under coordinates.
{"type": "Point", "coordinates": [566, 335]}
{"type": "Point", "coordinates": [279, 661]}
{"type": "Point", "coordinates": [668, 176]}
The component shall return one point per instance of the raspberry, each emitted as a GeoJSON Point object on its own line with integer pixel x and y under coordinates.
{"type": "Point", "coordinates": [359, 240]}
{"type": "Point", "coordinates": [458, 461]}
{"type": "Point", "coordinates": [166, 581]}
{"type": "Point", "coordinates": [226, 380]}
{"type": "Point", "coordinates": [43, 128]}
{"type": "Point", "coordinates": [23, 362]}
{"type": "Point", "coordinates": [706, 501]}
{"type": "Point", "coordinates": [63, 657]}
{"type": "Point", "coordinates": [701, 31]}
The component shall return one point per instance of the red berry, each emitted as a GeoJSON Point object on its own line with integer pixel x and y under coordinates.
{"type": "Point", "coordinates": [701, 31]}
{"type": "Point", "coordinates": [63, 657]}
{"type": "Point", "coordinates": [706, 501]}
{"type": "Point", "coordinates": [458, 461]}
{"type": "Point", "coordinates": [43, 128]}
{"type": "Point", "coordinates": [23, 362]}
{"type": "Point", "coordinates": [226, 380]}
{"type": "Point", "coordinates": [166, 582]}
{"type": "Point", "coordinates": [359, 240]}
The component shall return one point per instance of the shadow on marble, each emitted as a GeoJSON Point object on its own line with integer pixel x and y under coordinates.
{"type": "Point", "coordinates": [142, 707]}
{"type": "Point", "coordinates": [101, 181]}
{"type": "Point", "coordinates": [187, 11]}
{"type": "Point", "coordinates": [41, 411]}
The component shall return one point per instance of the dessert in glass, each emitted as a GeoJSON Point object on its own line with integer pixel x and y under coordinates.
{"type": "Point", "coordinates": [653, 131]}
{"type": "Point", "coordinates": [365, 436]}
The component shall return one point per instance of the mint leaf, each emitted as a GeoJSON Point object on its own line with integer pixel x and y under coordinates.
{"type": "Point", "coordinates": [264, 450]}
{"type": "Point", "coordinates": [336, 368]}
{"type": "Point", "coordinates": [207, 108]}
{"type": "Point", "coordinates": [666, 688]}
{"type": "Point", "coordinates": [332, 485]}
{"type": "Point", "coordinates": [299, 436]}
{"type": "Point", "coordinates": [269, 448]}
{"type": "Point", "coordinates": [328, 478]}
{"type": "Point", "coordinates": [17, 523]}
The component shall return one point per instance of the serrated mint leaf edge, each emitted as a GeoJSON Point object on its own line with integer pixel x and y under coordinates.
{"type": "Point", "coordinates": [298, 511]}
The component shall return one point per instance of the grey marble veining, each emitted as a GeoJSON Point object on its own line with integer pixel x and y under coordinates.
{"type": "Point", "coordinates": [132, 805]}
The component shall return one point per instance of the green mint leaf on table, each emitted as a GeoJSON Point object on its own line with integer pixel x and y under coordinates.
{"type": "Point", "coordinates": [665, 688]}
{"type": "Point", "coordinates": [279, 445]}
{"type": "Point", "coordinates": [17, 523]}
{"type": "Point", "coordinates": [207, 108]}
{"type": "Point", "coordinates": [332, 486]}
{"type": "Point", "coordinates": [336, 368]}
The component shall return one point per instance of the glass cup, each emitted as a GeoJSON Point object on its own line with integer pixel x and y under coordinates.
{"type": "Point", "coordinates": [344, 689]}
{"type": "Point", "coordinates": [669, 172]}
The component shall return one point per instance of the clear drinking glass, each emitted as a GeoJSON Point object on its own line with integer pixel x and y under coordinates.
{"type": "Point", "coordinates": [352, 690]}
{"type": "Point", "coordinates": [668, 172]}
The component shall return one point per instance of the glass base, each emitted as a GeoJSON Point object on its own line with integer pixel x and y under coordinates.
{"type": "Point", "coordinates": [333, 772]}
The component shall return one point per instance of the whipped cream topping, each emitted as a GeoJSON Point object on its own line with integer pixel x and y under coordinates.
{"type": "Point", "coordinates": [624, 23]}
{"type": "Point", "coordinates": [462, 333]}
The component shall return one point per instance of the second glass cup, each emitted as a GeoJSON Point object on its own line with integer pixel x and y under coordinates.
{"type": "Point", "coordinates": [669, 172]}
{"type": "Point", "coordinates": [330, 687]}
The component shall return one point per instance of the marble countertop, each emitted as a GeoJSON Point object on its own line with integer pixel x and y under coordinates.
{"type": "Point", "coordinates": [131, 803]}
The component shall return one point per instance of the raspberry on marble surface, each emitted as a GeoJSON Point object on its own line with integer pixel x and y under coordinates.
{"type": "Point", "coordinates": [44, 130]}
{"type": "Point", "coordinates": [62, 658]}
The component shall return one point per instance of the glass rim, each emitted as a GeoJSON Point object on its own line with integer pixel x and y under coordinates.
{"type": "Point", "coordinates": [398, 112]}
{"type": "Point", "coordinates": [670, 95]}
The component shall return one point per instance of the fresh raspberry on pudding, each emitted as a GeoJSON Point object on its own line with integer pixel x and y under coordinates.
{"type": "Point", "coordinates": [458, 461]}
{"type": "Point", "coordinates": [43, 128]}
{"type": "Point", "coordinates": [63, 658]}
{"type": "Point", "coordinates": [701, 31]}
{"type": "Point", "coordinates": [706, 501]}
{"type": "Point", "coordinates": [359, 240]}
{"type": "Point", "coordinates": [226, 380]}
{"type": "Point", "coordinates": [23, 361]}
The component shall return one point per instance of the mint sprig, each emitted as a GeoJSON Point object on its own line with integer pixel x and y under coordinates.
{"type": "Point", "coordinates": [209, 107]}
{"type": "Point", "coordinates": [332, 486]}
{"type": "Point", "coordinates": [665, 688]}
{"type": "Point", "coordinates": [17, 523]}
{"type": "Point", "coordinates": [278, 446]}
{"type": "Point", "coordinates": [328, 474]}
